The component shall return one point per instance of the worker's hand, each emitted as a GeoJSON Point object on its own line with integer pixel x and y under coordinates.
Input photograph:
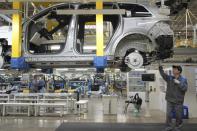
{"type": "Point", "coordinates": [176, 81]}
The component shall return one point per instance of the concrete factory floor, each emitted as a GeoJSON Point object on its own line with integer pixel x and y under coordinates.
{"type": "Point", "coordinates": [95, 114]}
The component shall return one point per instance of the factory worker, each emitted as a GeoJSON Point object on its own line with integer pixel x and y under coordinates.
{"type": "Point", "coordinates": [175, 93]}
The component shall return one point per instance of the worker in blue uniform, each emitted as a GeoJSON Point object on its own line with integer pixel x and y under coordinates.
{"type": "Point", "coordinates": [41, 85]}
{"type": "Point", "coordinates": [175, 93]}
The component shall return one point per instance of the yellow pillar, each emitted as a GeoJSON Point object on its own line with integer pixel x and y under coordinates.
{"type": "Point", "coordinates": [99, 30]}
{"type": "Point", "coordinates": [16, 31]}
{"type": "Point", "coordinates": [51, 24]}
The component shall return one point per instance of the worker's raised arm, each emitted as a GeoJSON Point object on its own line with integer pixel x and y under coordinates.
{"type": "Point", "coordinates": [164, 75]}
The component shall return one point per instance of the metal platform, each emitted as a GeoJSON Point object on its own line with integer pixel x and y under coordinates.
{"type": "Point", "coordinates": [183, 56]}
{"type": "Point", "coordinates": [185, 51]}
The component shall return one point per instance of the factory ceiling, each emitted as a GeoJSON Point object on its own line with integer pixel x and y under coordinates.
{"type": "Point", "coordinates": [178, 19]}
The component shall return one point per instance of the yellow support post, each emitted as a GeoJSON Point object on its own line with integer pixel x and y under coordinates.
{"type": "Point", "coordinates": [99, 30]}
{"type": "Point", "coordinates": [51, 24]}
{"type": "Point", "coordinates": [16, 31]}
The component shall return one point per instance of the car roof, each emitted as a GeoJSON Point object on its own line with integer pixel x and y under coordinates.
{"type": "Point", "coordinates": [153, 9]}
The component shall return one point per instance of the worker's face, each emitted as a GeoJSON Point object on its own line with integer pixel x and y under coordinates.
{"type": "Point", "coordinates": [175, 71]}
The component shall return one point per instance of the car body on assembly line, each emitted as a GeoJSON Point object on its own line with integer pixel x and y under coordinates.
{"type": "Point", "coordinates": [136, 38]}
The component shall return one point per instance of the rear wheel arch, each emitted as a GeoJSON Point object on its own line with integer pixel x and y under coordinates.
{"type": "Point", "coordinates": [138, 41]}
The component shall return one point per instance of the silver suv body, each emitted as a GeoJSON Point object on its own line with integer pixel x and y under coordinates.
{"type": "Point", "coordinates": [137, 38]}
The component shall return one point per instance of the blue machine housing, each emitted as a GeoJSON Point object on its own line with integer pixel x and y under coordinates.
{"type": "Point", "coordinates": [19, 63]}
{"type": "Point", "coordinates": [100, 62]}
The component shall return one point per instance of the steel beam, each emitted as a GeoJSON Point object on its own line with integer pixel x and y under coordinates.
{"type": "Point", "coordinates": [91, 12]}
{"type": "Point", "coordinates": [195, 36]}
{"type": "Point", "coordinates": [8, 12]}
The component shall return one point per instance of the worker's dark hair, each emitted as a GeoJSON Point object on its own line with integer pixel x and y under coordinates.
{"type": "Point", "coordinates": [179, 68]}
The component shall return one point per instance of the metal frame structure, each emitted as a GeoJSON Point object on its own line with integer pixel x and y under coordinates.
{"type": "Point", "coordinates": [16, 11]}
{"type": "Point", "coordinates": [99, 60]}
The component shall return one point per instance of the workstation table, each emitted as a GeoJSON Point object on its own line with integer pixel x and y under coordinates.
{"type": "Point", "coordinates": [35, 102]}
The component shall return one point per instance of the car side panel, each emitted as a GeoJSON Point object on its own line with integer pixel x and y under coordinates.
{"type": "Point", "coordinates": [132, 26]}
